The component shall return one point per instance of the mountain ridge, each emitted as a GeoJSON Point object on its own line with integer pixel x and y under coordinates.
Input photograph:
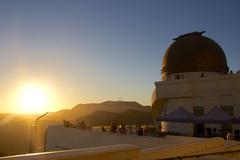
{"type": "Point", "coordinates": [129, 117]}
{"type": "Point", "coordinates": [89, 108]}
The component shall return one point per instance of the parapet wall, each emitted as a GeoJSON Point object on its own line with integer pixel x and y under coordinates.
{"type": "Point", "coordinates": [194, 148]}
{"type": "Point", "coordinates": [127, 152]}
{"type": "Point", "coordinates": [115, 152]}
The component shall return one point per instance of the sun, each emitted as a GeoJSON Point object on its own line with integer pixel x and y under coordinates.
{"type": "Point", "coordinates": [33, 99]}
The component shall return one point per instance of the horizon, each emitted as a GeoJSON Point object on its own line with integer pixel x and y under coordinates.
{"type": "Point", "coordinates": [13, 113]}
{"type": "Point", "coordinates": [56, 54]}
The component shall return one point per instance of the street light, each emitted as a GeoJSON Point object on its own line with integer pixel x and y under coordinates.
{"type": "Point", "coordinates": [35, 133]}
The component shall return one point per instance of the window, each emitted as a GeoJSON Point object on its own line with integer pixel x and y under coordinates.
{"type": "Point", "coordinates": [198, 110]}
{"type": "Point", "coordinates": [228, 109]}
{"type": "Point", "coordinates": [164, 112]}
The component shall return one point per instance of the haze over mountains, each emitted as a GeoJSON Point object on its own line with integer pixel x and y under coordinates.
{"type": "Point", "coordinates": [87, 109]}
{"type": "Point", "coordinates": [15, 129]}
{"type": "Point", "coordinates": [15, 133]}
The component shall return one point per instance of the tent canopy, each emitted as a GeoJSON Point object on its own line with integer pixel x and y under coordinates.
{"type": "Point", "coordinates": [179, 115]}
{"type": "Point", "coordinates": [216, 115]}
{"type": "Point", "coordinates": [236, 120]}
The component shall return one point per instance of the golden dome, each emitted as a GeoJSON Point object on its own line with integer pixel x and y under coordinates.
{"type": "Point", "coordinates": [193, 52]}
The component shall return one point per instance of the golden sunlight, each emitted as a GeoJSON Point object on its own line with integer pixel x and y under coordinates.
{"type": "Point", "coordinates": [33, 99]}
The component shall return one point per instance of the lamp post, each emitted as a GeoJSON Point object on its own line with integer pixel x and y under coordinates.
{"type": "Point", "coordinates": [35, 133]}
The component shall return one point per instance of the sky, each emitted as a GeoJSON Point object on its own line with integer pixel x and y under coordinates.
{"type": "Point", "coordinates": [85, 51]}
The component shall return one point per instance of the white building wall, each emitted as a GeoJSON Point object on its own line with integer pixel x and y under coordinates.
{"type": "Point", "coordinates": [209, 91]}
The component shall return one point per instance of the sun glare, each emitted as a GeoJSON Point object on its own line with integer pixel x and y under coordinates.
{"type": "Point", "coordinates": [33, 99]}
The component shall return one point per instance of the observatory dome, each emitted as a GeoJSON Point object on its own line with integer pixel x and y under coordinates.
{"type": "Point", "coordinates": [193, 52]}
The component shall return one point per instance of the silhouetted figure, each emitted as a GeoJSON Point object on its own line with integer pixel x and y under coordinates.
{"type": "Point", "coordinates": [139, 130]}
{"type": "Point", "coordinates": [122, 129]}
{"type": "Point", "coordinates": [81, 124]}
{"type": "Point", "coordinates": [160, 127]}
{"type": "Point", "coordinates": [66, 123]}
{"type": "Point", "coordinates": [113, 127]}
{"type": "Point", "coordinates": [103, 129]}
{"type": "Point", "coordinates": [146, 130]}
{"type": "Point", "coordinates": [230, 135]}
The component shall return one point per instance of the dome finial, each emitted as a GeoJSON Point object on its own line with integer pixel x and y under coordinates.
{"type": "Point", "coordinates": [190, 34]}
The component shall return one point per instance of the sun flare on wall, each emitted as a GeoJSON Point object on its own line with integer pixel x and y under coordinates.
{"type": "Point", "coordinates": [33, 98]}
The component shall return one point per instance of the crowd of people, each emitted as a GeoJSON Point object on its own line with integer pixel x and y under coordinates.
{"type": "Point", "coordinates": [79, 124]}
{"type": "Point", "coordinates": [139, 129]}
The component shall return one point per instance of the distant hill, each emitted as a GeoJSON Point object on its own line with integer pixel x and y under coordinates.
{"type": "Point", "coordinates": [87, 109]}
{"type": "Point", "coordinates": [129, 117]}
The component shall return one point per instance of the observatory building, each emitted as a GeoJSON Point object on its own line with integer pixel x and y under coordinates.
{"type": "Point", "coordinates": [196, 79]}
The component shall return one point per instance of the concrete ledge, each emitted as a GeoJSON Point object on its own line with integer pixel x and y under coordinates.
{"type": "Point", "coordinates": [116, 152]}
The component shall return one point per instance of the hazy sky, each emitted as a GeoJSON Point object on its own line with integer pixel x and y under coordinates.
{"type": "Point", "coordinates": [96, 50]}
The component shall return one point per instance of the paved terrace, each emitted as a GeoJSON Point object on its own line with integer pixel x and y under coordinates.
{"type": "Point", "coordinates": [59, 137]}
